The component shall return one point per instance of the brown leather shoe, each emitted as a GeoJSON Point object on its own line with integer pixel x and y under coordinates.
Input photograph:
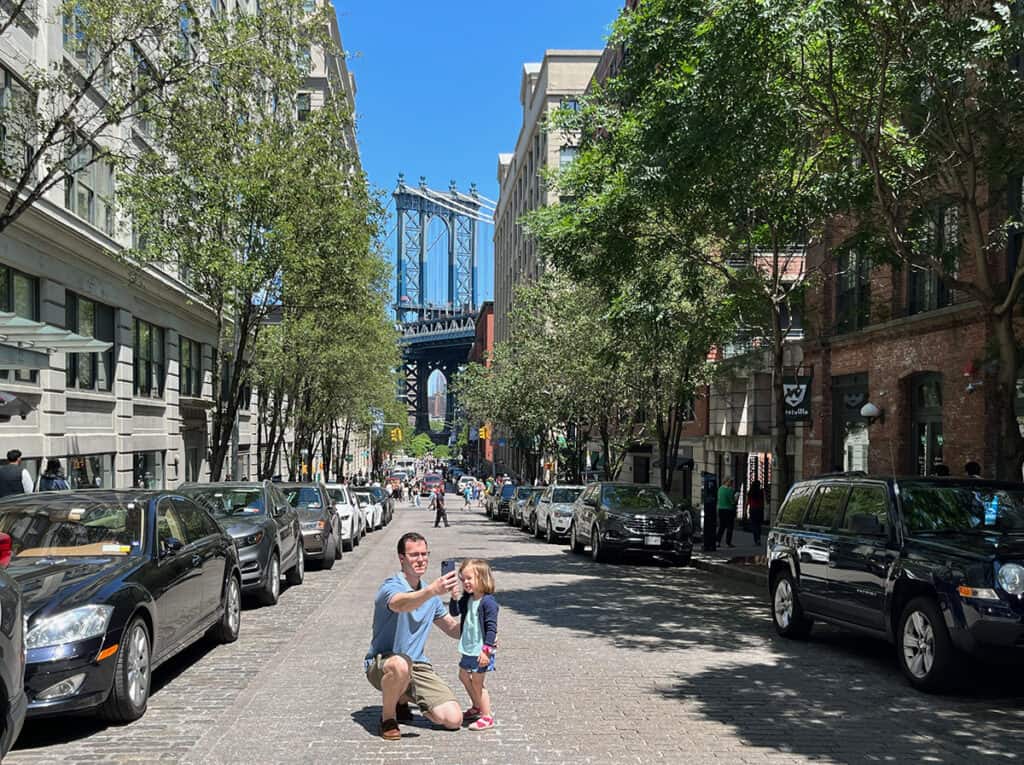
{"type": "Point", "coordinates": [389, 730]}
{"type": "Point", "coordinates": [403, 713]}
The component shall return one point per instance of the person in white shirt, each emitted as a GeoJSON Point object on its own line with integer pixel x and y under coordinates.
{"type": "Point", "coordinates": [14, 479]}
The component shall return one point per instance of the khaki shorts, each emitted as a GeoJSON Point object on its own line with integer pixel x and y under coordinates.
{"type": "Point", "coordinates": [426, 688]}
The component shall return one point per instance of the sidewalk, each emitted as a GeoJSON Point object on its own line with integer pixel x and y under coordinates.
{"type": "Point", "coordinates": [745, 562]}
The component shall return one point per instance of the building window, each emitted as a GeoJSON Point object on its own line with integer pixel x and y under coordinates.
{"type": "Point", "coordinates": [142, 83]}
{"type": "Point", "coordinates": [91, 471]}
{"type": "Point", "coordinates": [90, 371]}
{"type": "Point", "coordinates": [148, 342]}
{"type": "Point", "coordinates": [89, 189]}
{"type": "Point", "coordinates": [849, 428]}
{"type": "Point", "coordinates": [303, 106]}
{"type": "Point", "coordinates": [571, 104]}
{"type": "Point", "coordinates": [74, 34]}
{"type": "Point", "coordinates": [853, 292]}
{"type": "Point", "coordinates": [148, 470]}
{"type": "Point", "coordinates": [19, 294]}
{"type": "Point", "coordinates": [941, 242]}
{"type": "Point", "coordinates": [308, 5]}
{"type": "Point", "coordinates": [16, 130]}
{"type": "Point", "coordinates": [186, 32]}
{"type": "Point", "coordinates": [926, 422]}
{"type": "Point", "coordinates": [566, 155]}
{"type": "Point", "coordinates": [641, 469]}
{"type": "Point", "coordinates": [191, 372]}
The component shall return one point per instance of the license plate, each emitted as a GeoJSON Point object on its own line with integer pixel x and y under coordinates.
{"type": "Point", "coordinates": [652, 541]}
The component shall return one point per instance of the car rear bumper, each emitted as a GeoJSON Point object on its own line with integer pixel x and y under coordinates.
{"type": "Point", "coordinates": [314, 542]}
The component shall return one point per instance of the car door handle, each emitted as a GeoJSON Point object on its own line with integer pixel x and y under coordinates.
{"type": "Point", "coordinates": [196, 559]}
{"type": "Point", "coordinates": [833, 549]}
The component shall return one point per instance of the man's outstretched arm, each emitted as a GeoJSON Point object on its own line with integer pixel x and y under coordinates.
{"type": "Point", "coordinates": [449, 625]}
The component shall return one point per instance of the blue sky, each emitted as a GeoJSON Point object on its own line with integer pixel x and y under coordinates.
{"type": "Point", "coordinates": [438, 87]}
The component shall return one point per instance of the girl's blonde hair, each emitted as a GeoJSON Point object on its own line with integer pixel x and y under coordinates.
{"type": "Point", "coordinates": [485, 579]}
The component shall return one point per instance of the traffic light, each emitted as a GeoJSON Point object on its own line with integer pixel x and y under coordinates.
{"type": "Point", "coordinates": [485, 432]}
{"type": "Point", "coordinates": [396, 434]}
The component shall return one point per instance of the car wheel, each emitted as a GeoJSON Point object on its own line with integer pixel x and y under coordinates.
{"type": "Point", "coordinates": [549, 533]}
{"type": "Point", "coordinates": [226, 630]}
{"type": "Point", "coordinates": [327, 563]}
{"type": "Point", "coordinates": [297, 573]}
{"type": "Point", "coordinates": [272, 585]}
{"type": "Point", "coordinates": [129, 693]}
{"type": "Point", "coordinates": [597, 551]}
{"type": "Point", "coordinates": [787, 613]}
{"type": "Point", "coordinates": [682, 559]}
{"type": "Point", "coordinates": [535, 527]}
{"type": "Point", "coordinates": [349, 544]}
{"type": "Point", "coordinates": [926, 652]}
{"type": "Point", "coordinates": [339, 544]}
{"type": "Point", "coordinates": [574, 544]}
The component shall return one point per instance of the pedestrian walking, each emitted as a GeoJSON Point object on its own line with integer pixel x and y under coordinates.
{"type": "Point", "coordinates": [415, 495]}
{"type": "Point", "coordinates": [755, 508]}
{"type": "Point", "coordinates": [467, 493]}
{"type": "Point", "coordinates": [395, 664]}
{"type": "Point", "coordinates": [439, 510]}
{"type": "Point", "coordinates": [478, 613]}
{"type": "Point", "coordinates": [53, 477]}
{"type": "Point", "coordinates": [726, 511]}
{"type": "Point", "coordinates": [14, 479]}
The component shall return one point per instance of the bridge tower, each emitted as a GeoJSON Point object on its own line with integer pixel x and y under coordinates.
{"type": "Point", "coordinates": [435, 336]}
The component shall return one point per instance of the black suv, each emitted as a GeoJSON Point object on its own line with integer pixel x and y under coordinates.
{"type": "Point", "coordinates": [935, 565]}
{"type": "Point", "coordinates": [500, 508]}
{"type": "Point", "coordinates": [615, 517]}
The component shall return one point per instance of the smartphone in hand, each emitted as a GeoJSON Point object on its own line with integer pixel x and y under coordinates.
{"type": "Point", "coordinates": [448, 565]}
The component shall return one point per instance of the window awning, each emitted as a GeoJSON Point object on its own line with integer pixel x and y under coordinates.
{"type": "Point", "coordinates": [25, 333]}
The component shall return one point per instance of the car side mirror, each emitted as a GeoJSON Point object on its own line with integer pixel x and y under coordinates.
{"type": "Point", "coordinates": [170, 546]}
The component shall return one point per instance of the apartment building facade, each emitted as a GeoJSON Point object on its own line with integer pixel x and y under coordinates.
{"type": "Point", "coordinates": [132, 407]}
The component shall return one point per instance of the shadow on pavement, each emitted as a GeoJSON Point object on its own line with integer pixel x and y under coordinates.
{"type": "Point", "coordinates": [368, 718]}
{"type": "Point", "coordinates": [42, 732]}
{"type": "Point", "coordinates": [829, 707]}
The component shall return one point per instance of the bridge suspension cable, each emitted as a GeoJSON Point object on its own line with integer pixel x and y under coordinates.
{"type": "Point", "coordinates": [451, 205]}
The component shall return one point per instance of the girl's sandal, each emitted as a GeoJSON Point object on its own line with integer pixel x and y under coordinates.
{"type": "Point", "coordinates": [483, 723]}
{"type": "Point", "coordinates": [471, 714]}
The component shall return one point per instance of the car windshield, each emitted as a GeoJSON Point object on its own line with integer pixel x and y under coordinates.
{"type": "Point", "coordinates": [81, 527]}
{"type": "Point", "coordinates": [523, 492]}
{"type": "Point", "coordinates": [224, 502]}
{"type": "Point", "coordinates": [635, 498]}
{"type": "Point", "coordinates": [338, 496]}
{"type": "Point", "coordinates": [565, 495]}
{"type": "Point", "coordinates": [930, 508]}
{"type": "Point", "coordinates": [305, 496]}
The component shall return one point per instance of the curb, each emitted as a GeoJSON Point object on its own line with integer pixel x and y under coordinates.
{"type": "Point", "coordinates": [746, 574]}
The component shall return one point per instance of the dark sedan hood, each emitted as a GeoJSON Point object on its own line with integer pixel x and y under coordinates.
{"type": "Point", "coordinates": [65, 582]}
{"type": "Point", "coordinates": [242, 527]}
{"type": "Point", "coordinates": [973, 544]}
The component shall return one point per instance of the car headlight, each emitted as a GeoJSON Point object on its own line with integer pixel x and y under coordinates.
{"type": "Point", "coordinates": [1011, 578]}
{"type": "Point", "coordinates": [248, 541]}
{"type": "Point", "coordinates": [70, 626]}
{"type": "Point", "coordinates": [314, 525]}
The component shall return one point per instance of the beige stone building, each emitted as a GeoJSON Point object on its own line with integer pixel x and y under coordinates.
{"type": "Point", "coordinates": [109, 368]}
{"type": "Point", "coordinates": [562, 76]}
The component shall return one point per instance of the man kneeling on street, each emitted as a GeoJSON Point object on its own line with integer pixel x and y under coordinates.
{"type": "Point", "coordinates": [403, 612]}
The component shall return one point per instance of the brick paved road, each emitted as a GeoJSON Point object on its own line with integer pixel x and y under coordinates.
{"type": "Point", "coordinates": [598, 664]}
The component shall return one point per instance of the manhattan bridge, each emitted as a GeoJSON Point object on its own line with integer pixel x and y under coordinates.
{"type": "Point", "coordinates": [437, 330]}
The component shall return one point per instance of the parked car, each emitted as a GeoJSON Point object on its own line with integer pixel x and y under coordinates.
{"type": "Point", "coordinates": [523, 494]}
{"type": "Point", "coordinates": [321, 528]}
{"type": "Point", "coordinates": [114, 583]}
{"type": "Point", "coordinates": [373, 511]}
{"type": "Point", "coordinates": [386, 503]}
{"type": "Point", "coordinates": [529, 511]}
{"type": "Point", "coordinates": [934, 565]}
{"type": "Point", "coordinates": [353, 524]}
{"type": "Point", "coordinates": [501, 503]}
{"type": "Point", "coordinates": [614, 517]}
{"type": "Point", "coordinates": [552, 514]}
{"type": "Point", "coordinates": [12, 653]}
{"type": "Point", "coordinates": [463, 481]}
{"type": "Point", "coordinates": [265, 529]}
{"type": "Point", "coordinates": [429, 484]}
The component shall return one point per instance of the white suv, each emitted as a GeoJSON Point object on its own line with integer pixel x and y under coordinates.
{"type": "Point", "coordinates": [353, 526]}
{"type": "Point", "coordinates": [554, 512]}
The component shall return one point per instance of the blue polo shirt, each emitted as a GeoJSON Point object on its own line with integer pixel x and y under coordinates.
{"type": "Point", "coordinates": [404, 633]}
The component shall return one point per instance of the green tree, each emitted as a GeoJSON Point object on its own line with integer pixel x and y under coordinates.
{"type": "Point", "coordinates": [62, 118]}
{"type": "Point", "coordinates": [250, 203]}
{"type": "Point", "coordinates": [929, 99]}
{"type": "Point", "coordinates": [420, 445]}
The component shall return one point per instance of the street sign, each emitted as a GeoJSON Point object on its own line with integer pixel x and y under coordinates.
{"type": "Point", "coordinates": [797, 393]}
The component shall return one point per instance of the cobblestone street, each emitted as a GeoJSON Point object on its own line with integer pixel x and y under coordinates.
{"type": "Point", "coordinates": [598, 663]}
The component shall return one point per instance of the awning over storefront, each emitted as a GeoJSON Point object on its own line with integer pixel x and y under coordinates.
{"type": "Point", "coordinates": [24, 344]}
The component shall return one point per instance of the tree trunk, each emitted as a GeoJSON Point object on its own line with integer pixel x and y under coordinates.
{"type": "Point", "coordinates": [342, 460]}
{"type": "Point", "coordinates": [327, 439]}
{"type": "Point", "coordinates": [781, 479]}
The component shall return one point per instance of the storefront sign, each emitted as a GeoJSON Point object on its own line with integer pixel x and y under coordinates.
{"type": "Point", "coordinates": [797, 394]}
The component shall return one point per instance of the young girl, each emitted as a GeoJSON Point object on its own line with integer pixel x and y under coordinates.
{"type": "Point", "coordinates": [479, 612]}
